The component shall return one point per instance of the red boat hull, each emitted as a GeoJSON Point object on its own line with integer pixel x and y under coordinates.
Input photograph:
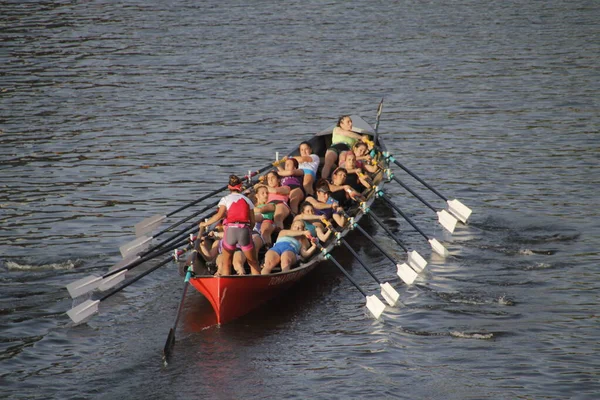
{"type": "Point", "coordinates": [233, 296]}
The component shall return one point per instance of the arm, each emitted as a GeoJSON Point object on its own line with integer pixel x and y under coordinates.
{"type": "Point", "coordinates": [339, 131]}
{"type": "Point", "coordinates": [306, 250]}
{"type": "Point", "coordinates": [354, 195]}
{"type": "Point", "coordinates": [216, 217]}
{"type": "Point", "coordinates": [293, 233]}
{"type": "Point", "coordinates": [280, 190]}
{"type": "Point", "coordinates": [318, 205]}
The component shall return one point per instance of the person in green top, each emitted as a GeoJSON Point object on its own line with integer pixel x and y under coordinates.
{"type": "Point", "coordinates": [342, 140]}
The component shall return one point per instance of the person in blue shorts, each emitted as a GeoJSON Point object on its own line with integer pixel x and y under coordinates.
{"type": "Point", "coordinates": [290, 245]}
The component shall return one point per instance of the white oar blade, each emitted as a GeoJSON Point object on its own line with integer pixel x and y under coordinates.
{"type": "Point", "coordinates": [148, 225]}
{"type": "Point", "coordinates": [389, 294]}
{"type": "Point", "coordinates": [84, 285]}
{"type": "Point", "coordinates": [447, 220]}
{"type": "Point", "coordinates": [375, 305]}
{"type": "Point", "coordinates": [406, 273]}
{"type": "Point", "coordinates": [459, 210]}
{"type": "Point", "coordinates": [135, 246]}
{"type": "Point", "coordinates": [416, 262]}
{"type": "Point", "coordinates": [83, 311]}
{"type": "Point", "coordinates": [124, 262]}
{"type": "Point", "coordinates": [438, 248]}
{"type": "Point", "coordinates": [112, 280]}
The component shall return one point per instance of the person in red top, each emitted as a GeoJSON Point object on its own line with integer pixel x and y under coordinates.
{"type": "Point", "coordinates": [239, 221]}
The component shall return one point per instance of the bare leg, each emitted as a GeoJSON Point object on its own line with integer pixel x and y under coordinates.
{"type": "Point", "coordinates": [330, 159]}
{"type": "Point", "coordinates": [227, 261]}
{"type": "Point", "coordinates": [288, 258]}
{"type": "Point", "coordinates": [238, 262]}
{"type": "Point", "coordinates": [308, 183]}
{"type": "Point", "coordinates": [252, 261]}
{"type": "Point", "coordinates": [281, 213]}
{"type": "Point", "coordinates": [271, 261]}
{"type": "Point", "coordinates": [266, 230]}
{"type": "Point", "coordinates": [296, 197]}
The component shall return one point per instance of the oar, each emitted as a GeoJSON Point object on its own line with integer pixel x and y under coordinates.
{"type": "Point", "coordinates": [90, 307]}
{"type": "Point", "coordinates": [414, 264]}
{"type": "Point", "coordinates": [435, 244]}
{"type": "Point", "coordinates": [457, 208]}
{"type": "Point", "coordinates": [374, 305]}
{"type": "Point", "coordinates": [141, 243]}
{"type": "Point", "coordinates": [171, 338]}
{"type": "Point", "coordinates": [406, 273]}
{"type": "Point", "coordinates": [387, 291]}
{"type": "Point", "coordinates": [115, 274]}
{"type": "Point", "coordinates": [149, 224]}
{"type": "Point", "coordinates": [379, 110]}
{"type": "Point", "coordinates": [444, 217]}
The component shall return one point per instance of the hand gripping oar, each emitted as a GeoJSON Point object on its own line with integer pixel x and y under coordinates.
{"type": "Point", "coordinates": [374, 305]}
{"type": "Point", "coordinates": [151, 223]}
{"type": "Point", "coordinates": [90, 307]}
{"type": "Point", "coordinates": [435, 244]}
{"type": "Point", "coordinates": [142, 243]}
{"type": "Point", "coordinates": [444, 217]}
{"type": "Point", "coordinates": [387, 291]}
{"type": "Point", "coordinates": [171, 337]}
{"type": "Point", "coordinates": [406, 273]}
{"type": "Point", "coordinates": [457, 208]}
{"type": "Point", "coordinates": [115, 274]}
{"type": "Point", "coordinates": [414, 264]}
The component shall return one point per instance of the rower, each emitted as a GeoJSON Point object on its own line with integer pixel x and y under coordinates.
{"type": "Point", "coordinates": [291, 244]}
{"type": "Point", "coordinates": [238, 212]}
{"type": "Point", "coordinates": [342, 140]}
{"type": "Point", "coordinates": [325, 205]}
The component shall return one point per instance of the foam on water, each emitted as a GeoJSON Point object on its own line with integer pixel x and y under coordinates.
{"type": "Point", "coordinates": [67, 265]}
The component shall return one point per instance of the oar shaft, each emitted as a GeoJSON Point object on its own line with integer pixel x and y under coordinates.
{"type": "Point", "coordinates": [133, 280]}
{"type": "Point", "coordinates": [413, 193]}
{"type": "Point", "coordinates": [147, 257]}
{"type": "Point", "coordinates": [175, 225]}
{"type": "Point", "coordinates": [385, 253]}
{"type": "Point", "coordinates": [337, 264]}
{"type": "Point", "coordinates": [219, 190]}
{"type": "Point", "coordinates": [419, 179]}
{"type": "Point", "coordinates": [388, 230]}
{"type": "Point", "coordinates": [361, 262]}
{"type": "Point", "coordinates": [211, 194]}
{"type": "Point", "coordinates": [395, 207]}
{"type": "Point", "coordinates": [379, 110]}
{"type": "Point", "coordinates": [171, 337]}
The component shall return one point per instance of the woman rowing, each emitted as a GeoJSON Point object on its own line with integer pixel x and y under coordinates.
{"type": "Point", "coordinates": [356, 177]}
{"type": "Point", "coordinates": [292, 177]}
{"type": "Point", "coordinates": [316, 224]}
{"type": "Point", "coordinates": [290, 246]}
{"type": "Point", "coordinates": [341, 192]}
{"type": "Point", "coordinates": [238, 212]}
{"type": "Point", "coordinates": [264, 213]}
{"type": "Point", "coordinates": [309, 163]}
{"type": "Point", "coordinates": [342, 140]}
{"type": "Point", "coordinates": [326, 206]}
{"type": "Point", "coordinates": [279, 196]}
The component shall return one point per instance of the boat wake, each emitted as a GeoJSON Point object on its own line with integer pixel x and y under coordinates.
{"type": "Point", "coordinates": [456, 334]}
{"type": "Point", "coordinates": [60, 266]}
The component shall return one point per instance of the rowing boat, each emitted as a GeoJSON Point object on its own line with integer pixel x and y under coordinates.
{"type": "Point", "coordinates": [236, 295]}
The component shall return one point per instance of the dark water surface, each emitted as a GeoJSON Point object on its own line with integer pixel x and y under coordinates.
{"type": "Point", "coordinates": [115, 111]}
